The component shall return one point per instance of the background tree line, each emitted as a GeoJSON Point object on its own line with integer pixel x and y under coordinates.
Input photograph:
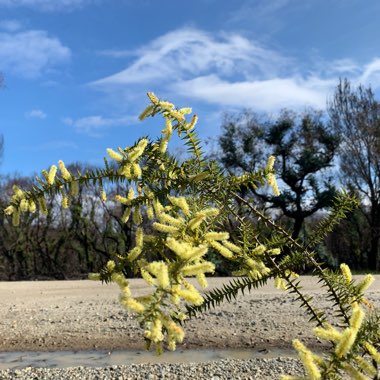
{"type": "Point", "coordinates": [316, 152]}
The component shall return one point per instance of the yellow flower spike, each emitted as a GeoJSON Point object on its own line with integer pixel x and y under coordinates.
{"type": "Point", "coordinates": [346, 341]}
{"type": "Point", "coordinates": [9, 210]}
{"type": "Point", "coordinates": [110, 266]}
{"type": "Point", "coordinates": [134, 253]}
{"type": "Point", "coordinates": [353, 372]}
{"type": "Point", "coordinates": [373, 352]}
{"type": "Point", "coordinates": [181, 249]}
{"type": "Point", "coordinates": [177, 115]}
{"type": "Point", "coordinates": [161, 271]}
{"type": "Point", "coordinates": [165, 228]}
{"type": "Point", "coordinates": [327, 332]}
{"type": "Point", "coordinates": [125, 170]}
{"type": "Point", "coordinates": [158, 208]}
{"type": "Point", "coordinates": [65, 201]}
{"type": "Point", "coordinates": [24, 205]}
{"type": "Point", "coordinates": [51, 176]}
{"type": "Point", "coordinates": [114, 155]}
{"type": "Point", "coordinates": [163, 146]}
{"type": "Point", "coordinates": [147, 112]}
{"type": "Point", "coordinates": [153, 98]}
{"type": "Point", "coordinates": [280, 283]}
{"type": "Point", "coordinates": [181, 203]}
{"type": "Point", "coordinates": [103, 196]}
{"type": "Point", "coordinates": [346, 272]}
{"type": "Point", "coordinates": [198, 269]}
{"type": "Point", "coordinates": [139, 237]}
{"type": "Point", "coordinates": [365, 366]}
{"type": "Point", "coordinates": [357, 317]}
{"type": "Point", "coordinates": [42, 205]}
{"type": "Point", "coordinates": [225, 252]}
{"type": "Point", "coordinates": [126, 215]}
{"type": "Point", "coordinates": [307, 360]}
{"type": "Point", "coordinates": [365, 283]}
{"type": "Point", "coordinates": [274, 251]}
{"type": "Point", "coordinates": [166, 105]}
{"type": "Point", "coordinates": [134, 305]}
{"type": "Point", "coordinates": [168, 128]}
{"type": "Point", "coordinates": [16, 218]}
{"type": "Point", "coordinates": [156, 331]}
{"type": "Point", "coordinates": [273, 184]}
{"type": "Point", "coordinates": [137, 151]}
{"type": "Point", "coordinates": [136, 170]}
{"type": "Point", "coordinates": [232, 247]}
{"type": "Point", "coordinates": [210, 212]}
{"type": "Point", "coordinates": [270, 163]}
{"type": "Point", "coordinates": [259, 250]}
{"type": "Point", "coordinates": [217, 235]}
{"type": "Point", "coordinates": [176, 222]}
{"type": "Point", "coordinates": [122, 200]}
{"type": "Point", "coordinates": [185, 111]}
{"type": "Point", "coordinates": [137, 217]}
{"type": "Point", "coordinates": [131, 194]}
{"type": "Point", "coordinates": [147, 277]}
{"type": "Point", "coordinates": [195, 222]}
{"type": "Point", "coordinates": [64, 172]}
{"type": "Point", "coordinates": [192, 123]}
{"type": "Point", "coordinates": [202, 280]}
{"type": "Point", "coordinates": [149, 212]}
{"type": "Point", "coordinates": [74, 188]}
{"type": "Point", "coordinates": [18, 193]}
{"type": "Point", "coordinates": [191, 295]}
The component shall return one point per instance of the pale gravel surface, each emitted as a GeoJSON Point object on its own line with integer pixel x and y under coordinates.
{"type": "Point", "coordinates": [85, 315]}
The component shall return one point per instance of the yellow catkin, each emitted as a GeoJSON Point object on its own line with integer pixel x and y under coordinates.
{"type": "Point", "coordinates": [232, 247]}
{"type": "Point", "coordinates": [353, 372]}
{"type": "Point", "coordinates": [24, 205]}
{"type": "Point", "coordinates": [32, 206]}
{"type": "Point", "coordinates": [103, 196]}
{"type": "Point", "coordinates": [126, 215]}
{"type": "Point", "coordinates": [134, 253]}
{"type": "Point", "coordinates": [197, 269]}
{"type": "Point", "coordinates": [16, 218]}
{"type": "Point", "coordinates": [137, 217]}
{"type": "Point", "coordinates": [147, 112]}
{"type": "Point", "coordinates": [365, 366]}
{"type": "Point", "coordinates": [328, 333]}
{"type": "Point", "coordinates": [373, 352]}
{"type": "Point", "coordinates": [168, 219]}
{"type": "Point", "coordinates": [51, 176]}
{"type": "Point", "coordinates": [165, 228]}
{"type": "Point", "coordinates": [365, 283]}
{"type": "Point", "coordinates": [74, 188]}
{"type": "Point", "coordinates": [192, 123]}
{"type": "Point", "coordinates": [217, 235]}
{"type": "Point", "coordinates": [153, 98]}
{"type": "Point", "coordinates": [65, 201]}
{"type": "Point", "coordinates": [345, 343]}
{"type": "Point", "coordinates": [346, 273]}
{"type": "Point", "coordinates": [273, 184]}
{"type": "Point", "coordinates": [280, 283]}
{"type": "Point", "coordinates": [225, 252]}
{"type": "Point", "coordinates": [42, 205]}
{"type": "Point", "coordinates": [9, 210]}
{"type": "Point", "coordinates": [149, 212]}
{"type": "Point", "coordinates": [134, 305]}
{"type": "Point", "coordinates": [307, 360]}
{"type": "Point", "coordinates": [114, 155]}
{"type": "Point", "coordinates": [270, 163]}
{"type": "Point", "coordinates": [64, 172]}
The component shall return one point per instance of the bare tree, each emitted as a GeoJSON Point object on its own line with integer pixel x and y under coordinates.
{"type": "Point", "coordinates": [355, 115]}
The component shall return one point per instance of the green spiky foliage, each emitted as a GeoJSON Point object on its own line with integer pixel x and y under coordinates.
{"type": "Point", "coordinates": [187, 204]}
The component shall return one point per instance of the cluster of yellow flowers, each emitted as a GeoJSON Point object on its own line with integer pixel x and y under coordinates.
{"type": "Point", "coordinates": [354, 365]}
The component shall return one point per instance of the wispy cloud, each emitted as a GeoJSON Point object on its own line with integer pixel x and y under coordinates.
{"type": "Point", "coordinates": [96, 124]}
{"type": "Point", "coordinates": [47, 5]}
{"type": "Point", "coordinates": [231, 70]}
{"type": "Point", "coordinates": [30, 53]}
{"type": "Point", "coordinates": [37, 114]}
{"type": "Point", "coordinates": [188, 52]}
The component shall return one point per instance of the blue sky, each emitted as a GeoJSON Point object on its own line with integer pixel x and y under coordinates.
{"type": "Point", "coordinates": [77, 71]}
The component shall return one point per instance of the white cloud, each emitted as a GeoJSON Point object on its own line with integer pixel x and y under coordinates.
{"type": "Point", "coordinates": [38, 114]}
{"type": "Point", "coordinates": [187, 52]}
{"type": "Point", "coordinates": [232, 71]}
{"type": "Point", "coordinates": [264, 95]}
{"type": "Point", "coordinates": [94, 125]}
{"type": "Point", "coordinates": [30, 53]}
{"type": "Point", "coordinates": [47, 5]}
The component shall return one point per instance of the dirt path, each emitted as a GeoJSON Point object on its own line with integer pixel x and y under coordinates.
{"type": "Point", "coordinates": [82, 315]}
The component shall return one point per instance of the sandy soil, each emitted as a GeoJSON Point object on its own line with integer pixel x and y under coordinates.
{"type": "Point", "coordinates": [82, 315]}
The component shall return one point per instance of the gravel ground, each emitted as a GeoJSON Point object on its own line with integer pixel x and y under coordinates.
{"type": "Point", "coordinates": [86, 315]}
